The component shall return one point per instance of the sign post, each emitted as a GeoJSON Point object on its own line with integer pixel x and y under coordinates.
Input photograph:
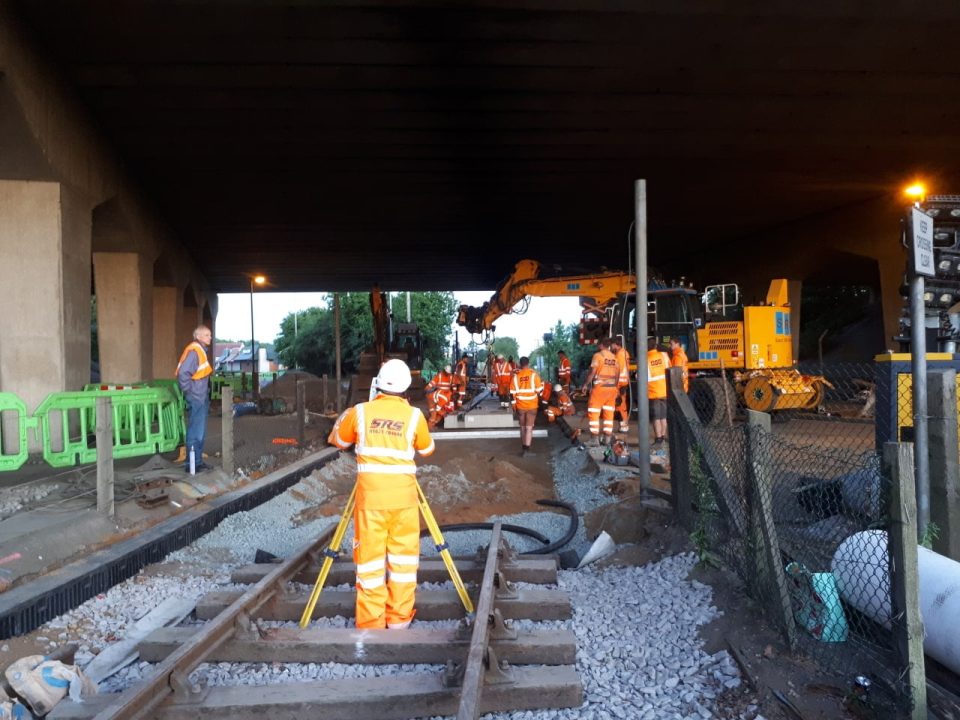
{"type": "Point", "coordinates": [920, 237]}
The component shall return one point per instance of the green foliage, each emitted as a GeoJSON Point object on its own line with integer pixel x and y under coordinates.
{"type": "Point", "coordinates": [931, 533]}
{"type": "Point", "coordinates": [566, 338]}
{"type": "Point", "coordinates": [506, 346]}
{"type": "Point", "coordinates": [707, 511]}
{"type": "Point", "coordinates": [313, 345]}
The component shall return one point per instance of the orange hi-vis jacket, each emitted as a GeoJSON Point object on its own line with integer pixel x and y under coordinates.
{"type": "Point", "coordinates": [564, 406]}
{"type": "Point", "coordinates": [441, 381]}
{"type": "Point", "coordinates": [526, 389]}
{"type": "Point", "coordinates": [680, 360]}
{"type": "Point", "coordinates": [607, 369]}
{"type": "Point", "coordinates": [203, 365]}
{"type": "Point", "coordinates": [563, 371]}
{"type": "Point", "coordinates": [658, 362]}
{"type": "Point", "coordinates": [386, 431]}
{"type": "Point", "coordinates": [460, 370]}
{"type": "Point", "coordinates": [501, 371]}
{"type": "Point", "coordinates": [623, 358]}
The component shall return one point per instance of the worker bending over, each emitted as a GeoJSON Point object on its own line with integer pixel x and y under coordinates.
{"type": "Point", "coordinates": [559, 406]}
{"type": "Point", "coordinates": [623, 383]}
{"type": "Point", "coordinates": [525, 390]}
{"type": "Point", "coordinates": [386, 519]}
{"type": "Point", "coordinates": [678, 358]}
{"type": "Point", "coordinates": [658, 362]}
{"type": "Point", "coordinates": [602, 384]}
{"type": "Point", "coordinates": [440, 398]}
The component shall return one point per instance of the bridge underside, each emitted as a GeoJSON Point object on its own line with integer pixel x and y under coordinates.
{"type": "Point", "coordinates": [331, 146]}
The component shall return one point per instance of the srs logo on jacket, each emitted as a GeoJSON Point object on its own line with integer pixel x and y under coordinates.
{"type": "Point", "coordinates": [384, 426]}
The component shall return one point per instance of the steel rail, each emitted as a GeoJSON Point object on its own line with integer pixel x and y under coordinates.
{"type": "Point", "coordinates": [473, 673]}
{"type": "Point", "coordinates": [141, 700]}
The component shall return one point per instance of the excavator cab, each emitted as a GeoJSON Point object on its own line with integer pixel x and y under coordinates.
{"type": "Point", "coordinates": [671, 312]}
{"type": "Point", "coordinates": [723, 302]}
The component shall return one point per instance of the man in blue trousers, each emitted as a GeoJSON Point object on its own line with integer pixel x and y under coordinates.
{"type": "Point", "coordinates": [193, 377]}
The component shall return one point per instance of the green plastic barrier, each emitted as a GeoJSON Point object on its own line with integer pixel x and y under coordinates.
{"type": "Point", "coordinates": [11, 403]}
{"type": "Point", "coordinates": [145, 421]}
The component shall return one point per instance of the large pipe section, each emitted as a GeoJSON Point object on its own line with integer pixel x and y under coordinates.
{"type": "Point", "coordinates": [861, 568]}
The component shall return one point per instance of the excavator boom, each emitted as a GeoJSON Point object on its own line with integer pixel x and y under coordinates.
{"type": "Point", "coordinates": [595, 290]}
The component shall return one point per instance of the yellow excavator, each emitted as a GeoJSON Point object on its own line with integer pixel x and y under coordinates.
{"type": "Point", "coordinates": [720, 334]}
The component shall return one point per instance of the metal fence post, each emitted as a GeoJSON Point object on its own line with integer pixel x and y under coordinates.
{"type": "Point", "coordinates": [904, 580]}
{"type": "Point", "coordinates": [760, 479]}
{"type": "Point", "coordinates": [226, 429]}
{"type": "Point", "coordinates": [680, 485]}
{"type": "Point", "coordinates": [944, 467]}
{"type": "Point", "coordinates": [301, 414]}
{"type": "Point", "coordinates": [104, 430]}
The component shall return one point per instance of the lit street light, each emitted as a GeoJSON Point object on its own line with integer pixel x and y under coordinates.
{"type": "Point", "coordinates": [916, 191]}
{"type": "Point", "coordinates": [254, 375]}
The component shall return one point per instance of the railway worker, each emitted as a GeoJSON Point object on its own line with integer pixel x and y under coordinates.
{"type": "Point", "coordinates": [439, 393]}
{"type": "Point", "coordinates": [503, 377]}
{"type": "Point", "coordinates": [678, 358]}
{"type": "Point", "coordinates": [193, 377]}
{"type": "Point", "coordinates": [623, 383]}
{"type": "Point", "coordinates": [460, 376]}
{"type": "Point", "coordinates": [564, 370]}
{"type": "Point", "coordinates": [658, 362]}
{"type": "Point", "coordinates": [602, 382]}
{"type": "Point", "coordinates": [387, 431]}
{"type": "Point", "coordinates": [559, 407]}
{"type": "Point", "coordinates": [525, 391]}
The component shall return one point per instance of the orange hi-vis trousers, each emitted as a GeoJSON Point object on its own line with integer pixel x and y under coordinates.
{"type": "Point", "coordinates": [387, 558]}
{"type": "Point", "coordinates": [601, 403]}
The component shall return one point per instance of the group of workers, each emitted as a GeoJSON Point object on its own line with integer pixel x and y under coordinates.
{"type": "Point", "coordinates": [387, 432]}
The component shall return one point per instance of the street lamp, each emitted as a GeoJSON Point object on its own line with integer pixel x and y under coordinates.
{"type": "Point", "coordinates": [254, 375]}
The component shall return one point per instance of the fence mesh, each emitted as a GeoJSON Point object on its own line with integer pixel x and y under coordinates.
{"type": "Point", "coordinates": [797, 506]}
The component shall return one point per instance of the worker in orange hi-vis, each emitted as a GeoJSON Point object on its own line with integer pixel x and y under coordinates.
{"type": "Point", "coordinates": [525, 391]}
{"type": "Point", "coordinates": [602, 382]}
{"type": "Point", "coordinates": [564, 370]}
{"type": "Point", "coordinates": [558, 404]}
{"type": "Point", "coordinates": [387, 431]}
{"type": "Point", "coordinates": [658, 362]}
{"type": "Point", "coordinates": [439, 393]}
{"type": "Point", "coordinates": [623, 383]}
{"type": "Point", "coordinates": [678, 358]}
{"type": "Point", "coordinates": [503, 376]}
{"type": "Point", "coordinates": [460, 379]}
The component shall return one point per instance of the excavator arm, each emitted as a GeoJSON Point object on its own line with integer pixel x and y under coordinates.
{"type": "Point", "coordinates": [595, 290]}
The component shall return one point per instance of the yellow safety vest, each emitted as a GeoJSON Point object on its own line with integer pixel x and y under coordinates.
{"type": "Point", "coordinates": [203, 366]}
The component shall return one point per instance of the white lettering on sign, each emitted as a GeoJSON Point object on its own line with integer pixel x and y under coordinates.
{"type": "Point", "coordinates": [922, 243]}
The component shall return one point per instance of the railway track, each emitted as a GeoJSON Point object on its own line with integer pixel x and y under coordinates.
{"type": "Point", "coordinates": [489, 665]}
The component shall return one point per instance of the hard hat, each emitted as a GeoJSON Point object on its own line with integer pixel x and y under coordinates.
{"type": "Point", "coordinates": [558, 387]}
{"type": "Point", "coordinates": [394, 376]}
{"type": "Point", "coordinates": [447, 368]}
{"type": "Point", "coordinates": [500, 357]}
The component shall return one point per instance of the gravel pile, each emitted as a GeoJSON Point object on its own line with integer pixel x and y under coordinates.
{"type": "Point", "coordinates": [16, 498]}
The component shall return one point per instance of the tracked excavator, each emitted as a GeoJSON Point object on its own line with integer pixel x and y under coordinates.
{"type": "Point", "coordinates": [753, 343]}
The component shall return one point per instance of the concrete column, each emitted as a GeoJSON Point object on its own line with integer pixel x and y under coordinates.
{"type": "Point", "coordinates": [165, 345]}
{"type": "Point", "coordinates": [124, 285]}
{"type": "Point", "coordinates": [44, 289]}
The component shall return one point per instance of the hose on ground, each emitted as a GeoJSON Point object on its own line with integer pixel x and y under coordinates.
{"type": "Point", "coordinates": [548, 547]}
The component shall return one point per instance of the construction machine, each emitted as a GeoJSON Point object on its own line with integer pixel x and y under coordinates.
{"type": "Point", "coordinates": [753, 343]}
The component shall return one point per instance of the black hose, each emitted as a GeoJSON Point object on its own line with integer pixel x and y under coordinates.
{"type": "Point", "coordinates": [571, 531]}
{"type": "Point", "coordinates": [517, 529]}
{"type": "Point", "coordinates": [547, 548]}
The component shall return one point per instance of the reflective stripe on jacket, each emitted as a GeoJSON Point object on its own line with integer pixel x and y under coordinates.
{"type": "Point", "coordinates": [203, 365]}
{"type": "Point", "coordinates": [606, 367]}
{"type": "Point", "coordinates": [387, 431]}
{"type": "Point", "coordinates": [563, 372]}
{"type": "Point", "coordinates": [657, 364]}
{"type": "Point", "coordinates": [526, 389]}
{"type": "Point", "coordinates": [623, 358]}
{"type": "Point", "coordinates": [441, 381]}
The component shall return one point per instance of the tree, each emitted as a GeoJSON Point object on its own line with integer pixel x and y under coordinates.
{"type": "Point", "coordinates": [313, 345]}
{"type": "Point", "coordinates": [566, 338]}
{"type": "Point", "coordinates": [506, 346]}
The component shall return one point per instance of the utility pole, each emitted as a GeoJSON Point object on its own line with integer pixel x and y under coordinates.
{"type": "Point", "coordinates": [920, 236]}
{"type": "Point", "coordinates": [643, 407]}
{"type": "Point", "coordinates": [336, 330]}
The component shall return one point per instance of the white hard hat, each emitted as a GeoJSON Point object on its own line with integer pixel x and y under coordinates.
{"type": "Point", "coordinates": [394, 376]}
{"type": "Point", "coordinates": [447, 368]}
{"type": "Point", "coordinates": [558, 387]}
{"type": "Point", "coordinates": [500, 357]}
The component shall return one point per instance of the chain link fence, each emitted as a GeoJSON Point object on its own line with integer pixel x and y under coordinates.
{"type": "Point", "coordinates": [794, 501]}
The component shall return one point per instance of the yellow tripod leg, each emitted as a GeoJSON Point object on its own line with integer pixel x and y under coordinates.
{"type": "Point", "coordinates": [330, 554]}
{"type": "Point", "coordinates": [441, 546]}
